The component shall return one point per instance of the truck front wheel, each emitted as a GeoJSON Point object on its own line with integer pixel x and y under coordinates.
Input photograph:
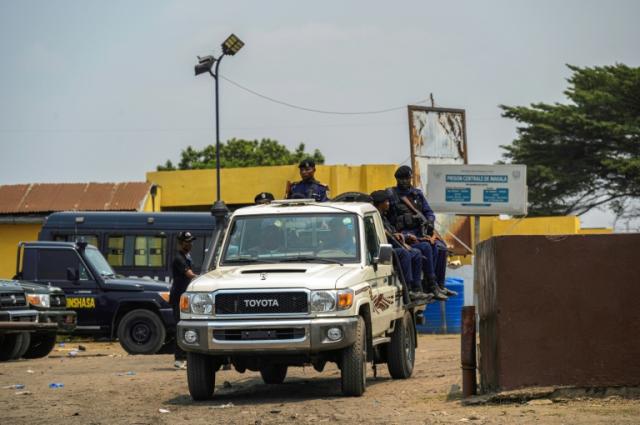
{"type": "Point", "coordinates": [274, 374]}
{"type": "Point", "coordinates": [41, 345]}
{"type": "Point", "coordinates": [401, 352]}
{"type": "Point", "coordinates": [141, 332]}
{"type": "Point", "coordinates": [10, 346]}
{"type": "Point", "coordinates": [201, 375]}
{"type": "Point", "coordinates": [353, 367]}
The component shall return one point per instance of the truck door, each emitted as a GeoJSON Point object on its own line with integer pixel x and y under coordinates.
{"type": "Point", "coordinates": [383, 289]}
{"type": "Point", "coordinates": [51, 266]}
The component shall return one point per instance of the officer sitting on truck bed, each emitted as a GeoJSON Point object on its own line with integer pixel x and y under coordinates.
{"type": "Point", "coordinates": [410, 259]}
{"type": "Point", "coordinates": [308, 187]}
{"type": "Point", "coordinates": [411, 214]}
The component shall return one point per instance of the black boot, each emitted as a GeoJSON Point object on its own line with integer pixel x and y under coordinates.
{"type": "Point", "coordinates": [431, 287]}
{"type": "Point", "coordinates": [448, 292]}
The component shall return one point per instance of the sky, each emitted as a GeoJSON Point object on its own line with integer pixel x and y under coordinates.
{"type": "Point", "coordinates": [105, 91]}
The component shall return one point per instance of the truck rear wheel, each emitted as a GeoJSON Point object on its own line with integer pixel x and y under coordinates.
{"type": "Point", "coordinates": [41, 345]}
{"type": "Point", "coordinates": [201, 376]}
{"type": "Point", "coordinates": [141, 332]}
{"type": "Point", "coordinates": [353, 369]}
{"type": "Point", "coordinates": [274, 374]}
{"type": "Point", "coordinates": [401, 352]}
{"type": "Point", "coordinates": [10, 346]}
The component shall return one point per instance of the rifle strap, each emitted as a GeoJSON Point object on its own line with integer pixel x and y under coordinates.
{"type": "Point", "coordinates": [409, 204]}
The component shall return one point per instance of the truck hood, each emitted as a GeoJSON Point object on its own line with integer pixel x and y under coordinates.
{"type": "Point", "coordinates": [310, 276]}
{"type": "Point", "coordinates": [34, 288]}
{"type": "Point", "coordinates": [134, 284]}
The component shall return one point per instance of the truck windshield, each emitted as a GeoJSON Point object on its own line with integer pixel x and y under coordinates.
{"type": "Point", "coordinates": [97, 260]}
{"type": "Point", "coordinates": [323, 238]}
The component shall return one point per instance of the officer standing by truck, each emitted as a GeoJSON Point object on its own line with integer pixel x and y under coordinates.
{"type": "Point", "coordinates": [181, 269]}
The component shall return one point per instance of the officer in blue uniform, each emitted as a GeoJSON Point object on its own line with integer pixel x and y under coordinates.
{"type": "Point", "coordinates": [263, 198]}
{"type": "Point", "coordinates": [308, 187]}
{"type": "Point", "coordinates": [416, 222]}
{"type": "Point", "coordinates": [410, 259]}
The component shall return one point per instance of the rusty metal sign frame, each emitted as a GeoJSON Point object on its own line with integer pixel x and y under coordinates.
{"type": "Point", "coordinates": [413, 134]}
{"type": "Point", "coordinates": [461, 226]}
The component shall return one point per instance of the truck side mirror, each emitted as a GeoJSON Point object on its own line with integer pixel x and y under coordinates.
{"type": "Point", "coordinates": [73, 275]}
{"type": "Point", "coordinates": [385, 253]}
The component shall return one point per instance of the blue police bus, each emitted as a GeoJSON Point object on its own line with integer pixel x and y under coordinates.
{"type": "Point", "coordinates": [134, 243]}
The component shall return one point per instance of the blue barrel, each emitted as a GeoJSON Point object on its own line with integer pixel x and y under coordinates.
{"type": "Point", "coordinates": [445, 316]}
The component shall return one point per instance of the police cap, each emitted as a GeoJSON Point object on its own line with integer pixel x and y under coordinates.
{"type": "Point", "coordinates": [379, 196]}
{"type": "Point", "coordinates": [307, 163]}
{"type": "Point", "coordinates": [186, 237]}
{"type": "Point", "coordinates": [403, 172]}
{"type": "Point", "coordinates": [263, 197]}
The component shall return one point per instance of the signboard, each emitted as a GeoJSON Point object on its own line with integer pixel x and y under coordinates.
{"type": "Point", "coordinates": [439, 136]}
{"type": "Point", "coordinates": [478, 189]}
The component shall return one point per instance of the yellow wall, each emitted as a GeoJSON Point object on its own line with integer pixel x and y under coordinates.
{"type": "Point", "coordinates": [241, 185]}
{"type": "Point", "coordinates": [10, 235]}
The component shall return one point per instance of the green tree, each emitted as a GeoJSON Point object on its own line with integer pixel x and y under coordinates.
{"type": "Point", "coordinates": [242, 153]}
{"type": "Point", "coordinates": [584, 154]}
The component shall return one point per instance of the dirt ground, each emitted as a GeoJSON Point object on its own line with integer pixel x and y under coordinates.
{"type": "Point", "coordinates": [104, 385]}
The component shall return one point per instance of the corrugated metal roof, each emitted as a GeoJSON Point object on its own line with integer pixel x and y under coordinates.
{"type": "Point", "coordinates": [49, 197]}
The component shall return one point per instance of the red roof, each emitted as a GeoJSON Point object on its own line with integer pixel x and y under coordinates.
{"type": "Point", "coordinates": [49, 197]}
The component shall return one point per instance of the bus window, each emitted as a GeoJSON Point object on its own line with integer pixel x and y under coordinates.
{"type": "Point", "coordinates": [115, 250]}
{"type": "Point", "coordinates": [149, 251]}
{"type": "Point", "coordinates": [198, 251]}
{"type": "Point", "coordinates": [90, 239]}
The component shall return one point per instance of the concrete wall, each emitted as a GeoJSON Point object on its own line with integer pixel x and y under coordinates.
{"type": "Point", "coordinates": [10, 235]}
{"type": "Point", "coordinates": [560, 310]}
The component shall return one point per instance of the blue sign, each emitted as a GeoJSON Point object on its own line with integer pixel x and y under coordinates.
{"type": "Point", "coordinates": [495, 195]}
{"type": "Point", "coordinates": [458, 195]}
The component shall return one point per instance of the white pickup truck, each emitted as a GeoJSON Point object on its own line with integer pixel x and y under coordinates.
{"type": "Point", "coordinates": [298, 283]}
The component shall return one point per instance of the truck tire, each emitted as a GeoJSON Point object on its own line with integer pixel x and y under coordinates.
{"type": "Point", "coordinates": [10, 346]}
{"type": "Point", "coordinates": [353, 369]}
{"type": "Point", "coordinates": [41, 345]}
{"type": "Point", "coordinates": [401, 351]}
{"type": "Point", "coordinates": [274, 374]}
{"type": "Point", "coordinates": [201, 376]}
{"type": "Point", "coordinates": [24, 345]}
{"type": "Point", "coordinates": [141, 332]}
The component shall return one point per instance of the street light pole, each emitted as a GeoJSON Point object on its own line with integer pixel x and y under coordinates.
{"type": "Point", "coordinates": [230, 47]}
{"type": "Point", "coordinates": [215, 77]}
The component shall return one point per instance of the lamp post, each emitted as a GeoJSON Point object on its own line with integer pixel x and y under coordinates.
{"type": "Point", "coordinates": [230, 47]}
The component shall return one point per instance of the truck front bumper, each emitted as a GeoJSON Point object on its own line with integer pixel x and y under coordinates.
{"type": "Point", "coordinates": [282, 336]}
{"type": "Point", "coordinates": [22, 320]}
{"type": "Point", "coordinates": [65, 319]}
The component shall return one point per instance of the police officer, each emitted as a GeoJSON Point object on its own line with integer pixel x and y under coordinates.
{"type": "Point", "coordinates": [181, 269]}
{"type": "Point", "coordinates": [308, 187]}
{"type": "Point", "coordinates": [412, 215]}
{"type": "Point", "coordinates": [263, 198]}
{"type": "Point", "coordinates": [410, 259]}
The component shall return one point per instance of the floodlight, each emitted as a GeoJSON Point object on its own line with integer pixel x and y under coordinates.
{"type": "Point", "coordinates": [232, 45]}
{"type": "Point", "coordinates": [204, 64]}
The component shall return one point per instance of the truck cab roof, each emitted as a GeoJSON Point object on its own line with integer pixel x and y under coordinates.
{"type": "Point", "coordinates": [297, 206]}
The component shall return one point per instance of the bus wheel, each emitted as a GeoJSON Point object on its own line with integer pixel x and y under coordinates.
{"type": "Point", "coordinates": [141, 332]}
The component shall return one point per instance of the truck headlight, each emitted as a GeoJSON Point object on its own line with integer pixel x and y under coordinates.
{"type": "Point", "coordinates": [39, 300]}
{"type": "Point", "coordinates": [323, 301]}
{"type": "Point", "coordinates": [201, 304]}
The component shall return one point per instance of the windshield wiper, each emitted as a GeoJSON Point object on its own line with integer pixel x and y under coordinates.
{"type": "Point", "coordinates": [248, 261]}
{"type": "Point", "coordinates": [310, 259]}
